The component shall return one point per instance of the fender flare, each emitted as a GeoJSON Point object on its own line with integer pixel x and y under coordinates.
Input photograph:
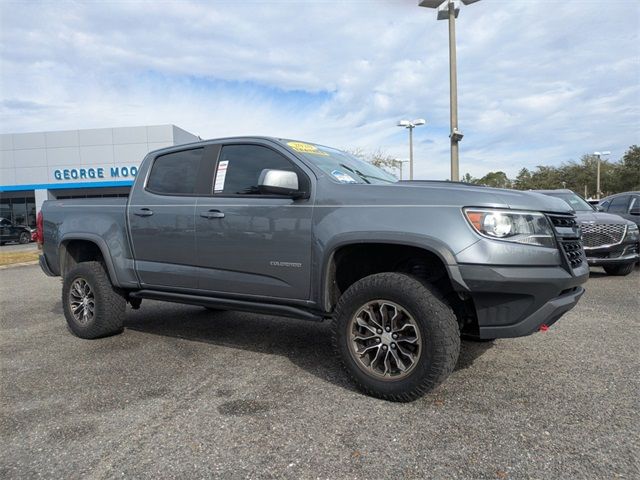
{"type": "Point", "coordinates": [102, 246]}
{"type": "Point", "coordinates": [426, 243]}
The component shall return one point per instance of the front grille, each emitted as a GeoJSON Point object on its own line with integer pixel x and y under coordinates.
{"type": "Point", "coordinates": [563, 221]}
{"type": "Point", "coordinates": [568, 236]}
{"type": "Point", "coordinates": [599, 235]}
{"type": "Point", "coordinates": [573, 251]}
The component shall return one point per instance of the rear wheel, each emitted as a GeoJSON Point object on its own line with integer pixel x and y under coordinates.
{"type": "Point", "coordinates": [619, 270]}
{"type": "Point", "coordinates": [92, 306]}
{"type": "Point", "coordinates": [395, 337]}
{"type": "Point", "coordinates": [25, 237]}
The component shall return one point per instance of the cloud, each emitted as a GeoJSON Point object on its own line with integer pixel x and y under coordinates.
{"type": "Point", "coordinates": [539, 82]}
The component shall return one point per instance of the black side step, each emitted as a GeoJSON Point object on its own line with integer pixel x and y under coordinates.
{"type": "Point", "coordinates": [229, 304]}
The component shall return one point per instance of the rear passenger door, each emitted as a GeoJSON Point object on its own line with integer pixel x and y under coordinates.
{"type": "Point", "coordinates": [250, 243]}
{"type": "Point", "coordinates": [161, 217]}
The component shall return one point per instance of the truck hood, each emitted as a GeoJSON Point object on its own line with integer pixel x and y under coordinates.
{"type": "Point", "coordinates": [475, 196]}
{"type": "Point", "coordinates": [600, 218]}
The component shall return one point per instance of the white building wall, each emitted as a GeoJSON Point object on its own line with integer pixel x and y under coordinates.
{"type": "Point", "coordinates": [46, 161]}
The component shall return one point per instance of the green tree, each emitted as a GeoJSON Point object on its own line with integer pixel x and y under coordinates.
{"type": "Point", "coordinates": [628, 170]}
{"type": "Point", "coordinates": [523, 180]}
{"type": "Point", "coordinates": [494, 179]}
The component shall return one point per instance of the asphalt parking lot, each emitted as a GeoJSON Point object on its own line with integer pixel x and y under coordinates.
{"type": "Point", "coordinates": [185, 393]}
{"type": "Point", "coordinates": [17, 247]}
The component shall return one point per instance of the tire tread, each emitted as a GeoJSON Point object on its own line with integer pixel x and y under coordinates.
{"type": "Point", "coordinates": [110, 312]}
{"type": "Point", "coordinates": [447, 340]}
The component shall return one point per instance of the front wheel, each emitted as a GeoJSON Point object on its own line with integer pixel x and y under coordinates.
{"type": "Point", "coordinates": [92, 306]}
{"type": "Point", "coordinates": [619, 270]}
{"type": "Point", "coordinates": [395, 337]}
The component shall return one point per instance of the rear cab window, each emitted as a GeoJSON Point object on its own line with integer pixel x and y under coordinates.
{"type": "Point", "coordinates": [176, 173]}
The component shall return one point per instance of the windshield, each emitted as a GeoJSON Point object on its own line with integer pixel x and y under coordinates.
{"type": "Point", "coordinates": [575, 201]}
{"type": "Point", "coordinates": [342, 166]}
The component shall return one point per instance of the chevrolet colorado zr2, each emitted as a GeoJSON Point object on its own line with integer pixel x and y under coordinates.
{"type": "Point", "coordinates": [282, 227]}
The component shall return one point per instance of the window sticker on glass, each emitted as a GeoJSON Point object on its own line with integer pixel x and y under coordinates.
{"type": "Point", "coordinates": [307, 148]}
{"type": "Point", "coordinates": [221, 175]}
{"type": "Point", "coordinates": [343, 177]}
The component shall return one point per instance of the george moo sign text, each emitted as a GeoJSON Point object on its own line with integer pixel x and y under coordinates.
{"type": "Point", "coordinates": [91, 173]}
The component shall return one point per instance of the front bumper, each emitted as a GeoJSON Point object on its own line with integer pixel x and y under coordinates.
{"type": "Point", "coordinates": [612, 255]}
{"type": "Point", "coordinates": [517, 301]}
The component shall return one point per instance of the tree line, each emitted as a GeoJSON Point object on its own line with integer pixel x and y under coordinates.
{"type": "Point", "coordinates": [622, 175]}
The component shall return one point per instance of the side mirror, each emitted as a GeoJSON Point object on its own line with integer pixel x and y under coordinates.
{"type": "Point", "coordinates": [635, 211]}
{"type": "Point", "coordinates": [599, 208]}
{"type": "Point", "coordinates": [278, 182]}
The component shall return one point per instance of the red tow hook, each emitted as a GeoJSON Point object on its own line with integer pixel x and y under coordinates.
{"type": "Point", "coordinates": [543, 328]}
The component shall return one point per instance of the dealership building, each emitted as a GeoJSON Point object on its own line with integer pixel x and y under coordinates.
{"type": "Point", "coordinates": [99, 162]}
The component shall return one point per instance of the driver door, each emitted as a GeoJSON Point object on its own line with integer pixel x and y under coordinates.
{"type": "Point", "coordinates": [251, 243]}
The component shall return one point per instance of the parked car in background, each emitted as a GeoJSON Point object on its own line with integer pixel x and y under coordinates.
{"type": "Point", "coordinates": [626, 204]}
{"type": "Point", "coordinates": [14, 233]}
{"type": "Point", "coordinates": [610, 241]}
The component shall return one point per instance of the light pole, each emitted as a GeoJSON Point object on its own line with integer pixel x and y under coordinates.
{"type": "Point", "coordinates": [401, 165]}
{"type": "Point", "coordinates": [450, 12]}
{"type": "Point", "coordinates": [410, 125]}
{"type": "Point", "coordinates": [599, 155]}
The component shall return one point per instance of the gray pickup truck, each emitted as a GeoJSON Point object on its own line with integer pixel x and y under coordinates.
{"type": "Point", "coordinates": [281, 227]}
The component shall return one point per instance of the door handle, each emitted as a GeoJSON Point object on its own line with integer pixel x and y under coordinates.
{"type": "Point", "coordinates": [143, 212]}
{"type": "Point", "coordinates": [212, 214]}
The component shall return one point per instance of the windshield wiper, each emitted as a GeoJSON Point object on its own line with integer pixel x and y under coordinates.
{"type": "Point", "coordinates": [362, 177]}
{"type": "Point", "coordinates": [371, 176]}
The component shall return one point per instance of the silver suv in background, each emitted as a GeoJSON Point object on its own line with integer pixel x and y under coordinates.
{"type": "Point", "coordinates": [610, 241]}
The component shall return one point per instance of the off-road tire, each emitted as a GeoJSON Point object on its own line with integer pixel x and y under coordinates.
{"type": "Point", "coordinates": [619, 270]}
{"type": "Point", "coordinates": [439, 332]}
{"type": "Point", "coordinates": [109, 309]}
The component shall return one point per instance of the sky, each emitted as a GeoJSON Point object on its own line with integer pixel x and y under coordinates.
{"type": "Point", "coordinates": [540, 82]}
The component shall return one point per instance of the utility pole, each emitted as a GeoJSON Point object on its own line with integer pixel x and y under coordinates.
{"type": "Point", "coordinates": [453, 95]}
{"type": "Point", "coordinates": [599, 155]}
{"type": "Point", "coordinates": [450, 12]}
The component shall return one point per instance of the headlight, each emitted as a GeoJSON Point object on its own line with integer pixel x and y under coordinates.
{"type": "Point", "coordinates": [531, 228]}
{"type": "Point", "coordinates": [632, 232]}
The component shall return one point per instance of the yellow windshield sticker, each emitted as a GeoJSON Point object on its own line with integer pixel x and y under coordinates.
{"type": "Point", "coordinates": [306, 148]}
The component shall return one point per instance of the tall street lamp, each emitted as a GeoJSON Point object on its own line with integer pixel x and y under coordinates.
{"type": "Point", "coordinates": [599, 155]}
{"type": "Point", "coordinates": [410, 125]}
{"type": "Point", "coordinates": [450, 12]}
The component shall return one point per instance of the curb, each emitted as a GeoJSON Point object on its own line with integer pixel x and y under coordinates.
{"type": "Point", "coordinates": [21, 264]}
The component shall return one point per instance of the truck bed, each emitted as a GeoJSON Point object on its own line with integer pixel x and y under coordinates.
{"type": "Point", "coordinates": [101, 220]}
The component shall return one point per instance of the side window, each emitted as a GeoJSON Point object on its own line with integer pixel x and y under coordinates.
{"type": "Point", "coordinates": [619, 204]}
{"type": "Point", "coordinates": [239, 168]}
{"type": "Point", "coordinates": [175, 173]}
